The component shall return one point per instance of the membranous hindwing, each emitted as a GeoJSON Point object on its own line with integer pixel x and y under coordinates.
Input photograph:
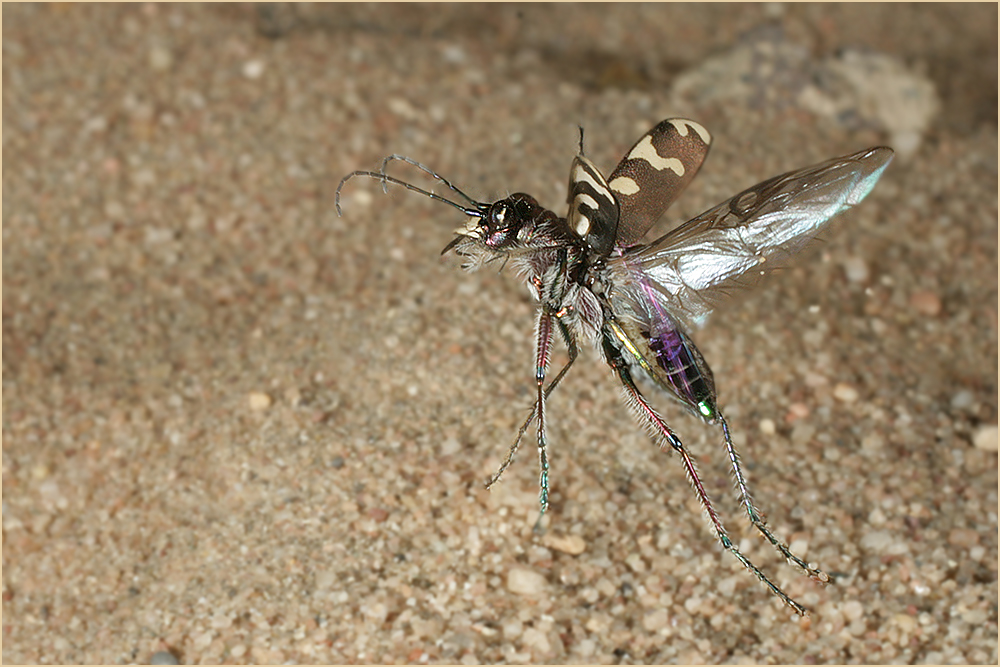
{"type": "Point", "coordinates": [717, 255]}
{"type": "Point", "coordinates": [593, 209]}
{"type": "Point", "coordinates": [653, 174]}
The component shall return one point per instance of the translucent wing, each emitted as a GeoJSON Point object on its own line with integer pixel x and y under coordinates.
{"type": "Point", "coordinates": [654, 172]}
{"type": "Point", "coordinates": [697, 266]}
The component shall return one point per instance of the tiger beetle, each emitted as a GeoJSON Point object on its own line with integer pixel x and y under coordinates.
{"type": "Point", "coordinates": [596, 281]}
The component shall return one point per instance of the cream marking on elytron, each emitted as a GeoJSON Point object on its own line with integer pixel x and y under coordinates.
{"type": "Point", "coordinates": [624, 185]}
{"type": "Point", "coordinates": [583, 224]}
{"type": "Point", "coordinates": [644, 150]}
{"type": "Point", "coordinates": [581, 173]}
{"type": "Point", "coordinates": [682, 124]}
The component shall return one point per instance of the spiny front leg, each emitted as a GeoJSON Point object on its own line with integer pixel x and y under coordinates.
{"type": "Point", "coordinates": [541, 367]}
{"type": "Point", "coordinates": [755, 518]}
{"type": "Point", "coordinates": [663, 436]}
{"type": "Point", "coordinates": [573, 350]}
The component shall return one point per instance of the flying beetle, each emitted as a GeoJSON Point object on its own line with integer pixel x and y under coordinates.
{"type": "Point", "coordinates": [595, 280]}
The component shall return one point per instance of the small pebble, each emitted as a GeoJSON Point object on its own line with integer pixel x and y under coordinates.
{"type": "Point", "coordinates": [450, 446]}
{"type": "Point", "coordinates": [160, 59]}
{"type": "Point", "coordinates": [512, 628]}
{"type": "Point", "coordinates": [856, 270]}
{"type": "Point", "coordinates": [293, 396]}
{"type": "Point", "coordinates": [845, 393]}
{"type": "Point", "coordinates": [567, 544]}
{"type": "Point", "coordinates": [402, 108]}
{"type": "Point", "coordinates": [796, 411]}
{"type": "Point", "coordinates": [767, 427]}
{"type": "Point", "coordinates": [202, 640]}
{"type": "Point", "coordinates": [12, 523]}
{"type": "Point", "coordinates": [536, 639]}
{"type": "Point", "coordinates": [815, 380]}
{"type": "Point", "coordinates": [877, 541]}
{"type": "Point", "coordinates": [259, 401]}
{"type": "Point", "coordinates": [454, 54]}
{"type": "Point", "coordinates": [635, 563]}
{"type": "Point", "coordinates": [252, 69]}
{"type": "Point", "coordinates": [906, 623]}
{"type": "Point", "coordinates": [852, 610]}
{"type": "Point", "coordinates": [963, 537]}
{"type": "Point", "coordinates": [163, 658]}
{"type": "Point", "coordinates": [985, 438]}
{"type": "Point", "coordinates": [361, 198]}
{"type": "Point", "coordinates": [963, 400]}
{"type": "Point", "coordinates": [905, 142]}
{"type": "Point", "coordinates": [377, 514]}
{"type": "Point", "coordinates": [655, 620]}
{"type": "Point", "coordinates": [376, 613]}
{"type": "Point", "coordinates": [877, 517]}
{"type": "Point", "coordinates": [879, 328]}
{"type": "Point", "coordinates": [325, 579]}
{"type": "Point", "coordinates": [525, 582]}
{"type": "Point", "coordinates": [802, 433]}
{"type": "Point", "coordinates": [975, 617]}
{"type": "Point", "coordinates": [872, 442]}
{"type": "Point", "coordinates": [926, 302]}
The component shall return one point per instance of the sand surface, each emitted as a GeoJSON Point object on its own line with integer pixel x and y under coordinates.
{"type": "Point", "coordinates": [240, 429]}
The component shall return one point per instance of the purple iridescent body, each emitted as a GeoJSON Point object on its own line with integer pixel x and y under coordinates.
{"type": "Point", "coordinates": [678, 359]}
{"type": "Point", "coordinates": [661, 348]}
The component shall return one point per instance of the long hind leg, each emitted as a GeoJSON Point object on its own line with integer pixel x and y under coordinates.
{"type": "Point", "coordinates": [664, 436]}
{"type": "Point", "coordinates": [755, 517]}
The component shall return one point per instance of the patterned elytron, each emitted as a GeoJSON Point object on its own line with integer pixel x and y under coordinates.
{"type": "Point", "coordinates": [636, 302]}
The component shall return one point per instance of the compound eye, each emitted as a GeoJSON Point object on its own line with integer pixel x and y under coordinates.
{"type": "Point", "coordinates": [497, 227]}
{"type": "Point", "coordinates": [499, 215]}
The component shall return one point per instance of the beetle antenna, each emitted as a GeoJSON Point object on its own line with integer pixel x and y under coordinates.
{"type": "Point", "coordinates": [476, 209]}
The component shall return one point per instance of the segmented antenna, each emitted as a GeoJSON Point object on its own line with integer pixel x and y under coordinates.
{"type": "Point", "coordinates": [476, 209]}
{"type": "Point", "coordinates": [430, 172]}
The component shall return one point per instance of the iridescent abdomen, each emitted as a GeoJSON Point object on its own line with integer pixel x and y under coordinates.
{"type": "Point", "coordinates": [683, 369]}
